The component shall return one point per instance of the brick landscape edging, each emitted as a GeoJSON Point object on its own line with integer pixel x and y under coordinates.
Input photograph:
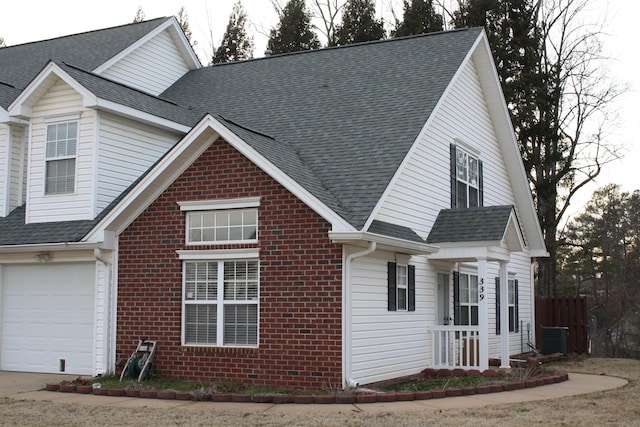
{"type": "Point", "coordinates": [356, 397]}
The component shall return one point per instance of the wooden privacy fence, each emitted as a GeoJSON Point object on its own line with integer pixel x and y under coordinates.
{"type": "Point", "coordinates": [569, 312]}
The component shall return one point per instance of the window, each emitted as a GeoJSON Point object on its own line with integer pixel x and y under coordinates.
{"type": "Point", "coordinates": [61, 143]}
{"type": "Point", "coordinates": [514, 316]}
{"type": "Point", "coordinates": [401, 287]}
{"type": "Point", "coordinates": [465, 290]}
{"type": "Point", "coordinates": [220, 302]}
{"type": "Point", "coordinates": [233, 225]}
{"type": "Point", "coordinates": [466, 179]}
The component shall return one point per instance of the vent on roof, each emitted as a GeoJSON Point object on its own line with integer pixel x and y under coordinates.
{"type": "Point", "coordinates": [268, 52]}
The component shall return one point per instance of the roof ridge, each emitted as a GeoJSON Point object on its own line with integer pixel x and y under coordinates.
{"type": "Point", "coordinates": [86, 32]}
{"type": "Point", "coordinates": [346, 46]}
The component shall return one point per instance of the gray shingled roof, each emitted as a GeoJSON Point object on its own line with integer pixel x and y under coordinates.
{"type": "Point", "coordinates": [470, 225]}
{"type": "Point", "coordinates": [338, 121]}
{"type": "Point", "coordinates": [350, 113]}
{"type": "Point", "coordinates": [394, 230]}
{"type": "Point", "coordinates": [19, 64]}
{"type": "Point", "coordinates": [13, 230]}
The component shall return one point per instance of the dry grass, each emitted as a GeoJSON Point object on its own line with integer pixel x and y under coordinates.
{"type": "Point", "coordinates": [617, 407]}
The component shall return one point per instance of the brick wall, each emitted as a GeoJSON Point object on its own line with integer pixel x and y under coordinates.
{"type": "Point", "coordinates": [300, 282]}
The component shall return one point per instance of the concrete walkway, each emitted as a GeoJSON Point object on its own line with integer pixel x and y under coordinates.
{"type": "Point", "coordinates": [27, 386]}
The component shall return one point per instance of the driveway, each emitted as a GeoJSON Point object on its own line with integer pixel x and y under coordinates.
{"type": "Point", "coordinates": [20, 382]}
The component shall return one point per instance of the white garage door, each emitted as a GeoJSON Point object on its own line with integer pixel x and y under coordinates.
{"type": "Point", "coordinates": [47, 318]}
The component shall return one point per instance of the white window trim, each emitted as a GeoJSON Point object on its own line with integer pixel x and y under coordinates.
{"type": "Point", "coordinates": [402, 285]}
{"type": "Point", "coordinates": [220, 304]}
{"type": "Point", "coordinates": [468, 305]}
{"type": "Point", "coordinates": [511, 280]}
{"type": "Point", "coordinates": [220, 254]}
{"type": "Point", "coordinates": [55, 120]}
{"type": "Point", "coordinates": [225, 204]}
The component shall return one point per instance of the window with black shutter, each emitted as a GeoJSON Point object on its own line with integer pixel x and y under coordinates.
{"type": "Point", "coordinates": [401, 287]}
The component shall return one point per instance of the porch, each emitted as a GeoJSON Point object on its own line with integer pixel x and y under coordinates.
{"type": "Point", "coordinates": [456, 346]}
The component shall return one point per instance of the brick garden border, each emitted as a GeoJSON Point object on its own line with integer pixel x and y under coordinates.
{"type": "Point", "coordinates": [359, 397]}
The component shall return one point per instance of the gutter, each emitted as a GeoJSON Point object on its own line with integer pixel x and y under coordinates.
{"type": "Point", "coordinates": [347, 381]}
{"type": "Point", "coordinates": [106, 356]}
{"type": "Point", "coordinates": [40, 247]}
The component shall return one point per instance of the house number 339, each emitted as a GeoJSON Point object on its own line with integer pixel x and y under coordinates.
{"type": "Point", "coordinates": [481, 290]}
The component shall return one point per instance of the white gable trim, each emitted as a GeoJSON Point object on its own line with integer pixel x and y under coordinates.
{"type": "Point", "coordinates": [4, 115]}
{"type": "Point", "coordinates": [21, 107]}
{"type": "Point", "coordinates": [177, 35]}
{"type": "Point", "coordinates": [480, 53]}
{"type": "Point", "coordinates": [170, 167]}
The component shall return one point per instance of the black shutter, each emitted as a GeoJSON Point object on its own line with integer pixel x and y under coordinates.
{"type": "Point", "coordinates": [456, 298]}
{"type": "Point", "coordinates": [516, 314]}
{"type": "Point", "coordinates": [454, 184]}
{"type": "Point", "coordinates": [480, 192]}
{"type": "Point", "coordinates": [412, 287]}
{"type": "Point", "coordinates": [497, 306]}
{"type": "Point", "coordinates": [391, 286]}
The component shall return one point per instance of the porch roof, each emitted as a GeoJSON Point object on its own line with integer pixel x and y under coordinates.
{"type": "Point", "coordinates": [490, 232]}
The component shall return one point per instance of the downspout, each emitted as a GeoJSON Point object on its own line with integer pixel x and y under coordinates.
{"type": "Point", "coordinates": [347, 381]}
{"type": "Point", "coordinates": [97, 253]}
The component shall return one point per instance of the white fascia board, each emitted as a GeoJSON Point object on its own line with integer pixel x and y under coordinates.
{"type": "Point", "coordinates": [464, 253]}
{"type": "Point", "coordinates": [501, 118]}
{"type": "Point", "coordinates": [169, 23]}
{"type": "Point", "coordinates": [43, 247]}
{"type": "Point", "coordinates": [121, 110]}
{"type": "Point", "coordinates": [294, 187]}
{"type": "Point", "coordinates": [420, 136]}
{"type": "Point", "coordinates": [360, 238]}
{"type": "Point", "coordinates": [21, 106]}
{"type": "Point", "coordinates": [4, 116]}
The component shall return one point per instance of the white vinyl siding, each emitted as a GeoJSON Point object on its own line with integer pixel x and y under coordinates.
{"type": "Point", "coordinates": [12, 167]}
{"type": "Point", "coordinates": [127, 149]}
{"type": "Point", "coordinates": [426, 181]}
{"type": "Point", "coordinates": [61, 103]}
{"type": "Point", "coordinates": [152, 67]}
{"type": "Point", "coordinates": [388, 344]}
{"type": "Point", "coordinates": [463, 115]}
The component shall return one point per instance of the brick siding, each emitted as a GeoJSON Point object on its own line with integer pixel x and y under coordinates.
{"type": "Point", "coordinates": [300, 282]}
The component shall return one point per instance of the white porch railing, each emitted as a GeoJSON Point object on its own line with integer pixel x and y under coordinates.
{"type": "Point", "coordinates": [455, 347]}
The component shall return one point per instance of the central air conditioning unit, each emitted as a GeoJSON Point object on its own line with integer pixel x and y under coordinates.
{"type": "Point", "coordinates": [554, 340]}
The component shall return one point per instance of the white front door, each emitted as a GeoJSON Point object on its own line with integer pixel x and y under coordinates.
{"type": "Point", "coordinates": [48, 318]}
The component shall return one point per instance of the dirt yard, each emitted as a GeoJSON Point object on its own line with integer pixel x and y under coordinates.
{"type": "Point", "coordinates": [618, 407]}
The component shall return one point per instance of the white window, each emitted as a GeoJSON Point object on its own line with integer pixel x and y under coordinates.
{"type": "Point", "coordinates": [232, 225]}
{"type": "Point", "coordinates": [61, 145]}
{"type": "Point", "coordinates": [401, 287]}
{"type": "Point", "coordinates": [468, 295]}
{"type": "Point", "coordinates": [512, 305]}
{"type": "Point", "coordinates": [220, 302]}
{"type": "Point", "coordinates": [467, 181]}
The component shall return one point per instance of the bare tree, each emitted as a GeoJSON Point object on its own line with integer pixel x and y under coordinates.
{"type": "Point", "coordinates": [328, 12]}
{"type": "Point", "coordinates": [2, 44]}
{"type": "Point", "coordinates": [183, 20]}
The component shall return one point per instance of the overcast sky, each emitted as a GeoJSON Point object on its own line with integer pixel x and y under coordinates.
{"type": "Point", "coordinates": [30, 20]}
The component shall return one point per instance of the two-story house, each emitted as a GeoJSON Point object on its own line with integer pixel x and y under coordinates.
{"type": "Point", "coordinates": [349, 214]}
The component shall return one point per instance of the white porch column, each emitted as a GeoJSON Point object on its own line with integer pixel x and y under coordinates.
{"type": "Point", "coordinates": [483, 315]}
{"type": "Point", "coordinates": [504, 315]}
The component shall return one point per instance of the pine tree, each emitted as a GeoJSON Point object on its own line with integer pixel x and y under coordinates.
{"type": "Point", "coordinates": [139, 15]}
{"type": "Point", "coordinates": [293, 32]}
{"type": "Point", "coordinates": [359, 23]}
{"type": "Point", "coordinates": [183, 20]}
{"type": "Point", "coordinates": [553, 82]}
{"type": "Point", "coordinates": [419, 17]}
{"type": "Point", "coordinates": [236, 43]}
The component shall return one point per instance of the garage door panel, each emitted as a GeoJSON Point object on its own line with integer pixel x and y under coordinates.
{"type": "Point", "coordinates": [48, 315]}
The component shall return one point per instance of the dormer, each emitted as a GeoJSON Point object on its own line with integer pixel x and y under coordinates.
{"type": "Point", "coordinates": [154, 62]}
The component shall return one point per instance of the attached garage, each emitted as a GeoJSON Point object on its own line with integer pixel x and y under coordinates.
{"type": "Point", "coordinates": [47, 318]}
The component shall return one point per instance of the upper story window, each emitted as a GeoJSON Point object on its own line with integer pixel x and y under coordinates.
{"type": "Point", "coordinates": [466, 179]}
{"type": "Point", "coordinates": [61, 147]}
{"type": "Point", "coordinates": [222, 221]}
